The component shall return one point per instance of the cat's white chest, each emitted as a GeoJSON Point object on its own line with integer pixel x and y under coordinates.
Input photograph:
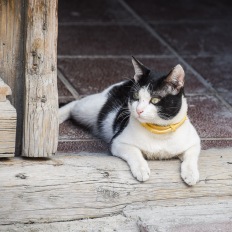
{"type": "Point", "coordinates": [155, 146]}
{"type": "Point", "coordinates": [159, 146]}
{"type": "Point", "coordinates": [160, 149]}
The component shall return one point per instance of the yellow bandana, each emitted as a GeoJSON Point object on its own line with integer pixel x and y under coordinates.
{"type": "Point", "coordinates": [156, 129]}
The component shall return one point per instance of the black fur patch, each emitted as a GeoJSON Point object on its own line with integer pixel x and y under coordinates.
{"type": "Point", "coordinates": [117, 99]}
{"type": "Point", "coordinates": [170, 105]}
{"type": "Point", "coordinates": [63, 104]}
{"type": "Point", "coordinates": [121, 120]}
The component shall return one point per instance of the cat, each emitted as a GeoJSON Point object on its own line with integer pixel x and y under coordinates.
{"type": "Point", "coordinates": [142, 118]}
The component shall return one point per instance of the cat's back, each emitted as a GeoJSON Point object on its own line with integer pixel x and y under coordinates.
{"type": "Point", "coordinates": [113, 115]}
{"type": "Point", "coordinates": [92, 110]}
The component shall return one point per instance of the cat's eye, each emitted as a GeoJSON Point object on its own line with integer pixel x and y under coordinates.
{"type": "Point", "coordinates": [155, 100]}
{"type": "Point", "coordinates": [136, 95]}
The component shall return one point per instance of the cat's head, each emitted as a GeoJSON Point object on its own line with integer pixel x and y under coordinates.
{"type": "Point", "coordinates": [157, 99]}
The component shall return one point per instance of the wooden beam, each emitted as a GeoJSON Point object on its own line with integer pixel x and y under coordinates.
{"type": "Point", "coordinates": [7, 122]}
{"type": "Point", "coordinates": [41, 126]}
{"type": "Point", "coordinates": [4, 91]}
{"type": "Point", "coordinates": [7, 129]}
{"type": "Point", "coordinates": [89, 186]}
{"type": "Point", "coordinates": [12, 57]}
{"type": "Point", "coordinates": [107, 224]}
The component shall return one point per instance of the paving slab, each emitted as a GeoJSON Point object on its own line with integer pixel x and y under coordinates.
{"type": "Point", "coordinates": [90, 76]}
{"type": "Point", "coordinates": [70, 130]}
{"type": "Point", "coordinates": [62, 89]}
{"type": "Point", "coordinates": [217, 70]}
{"type": "Point", "coordinates": [107, 40]}
{"type": "Point", "coordinates": [199, 39]}
{"type": "Point", "coordinates": [181, 11]}
{"type": "Point", "coordinates": [89, 11]}
{"type": "Point", "coordinates": [210, 117]}
{"type": "Point", "coordinates": [74, 146]}
{"type": "Point", "coordinates": [216, 143]}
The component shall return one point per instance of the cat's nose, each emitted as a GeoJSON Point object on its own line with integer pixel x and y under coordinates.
{"type": "Point", "coordinates": [139, 111]}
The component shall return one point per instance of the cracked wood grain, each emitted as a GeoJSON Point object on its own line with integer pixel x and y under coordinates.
{"type": "Point", "coordinates": [194, 214]}
{"type": "Point", "coordinates": [40, 138]}
{"type": "Point", "coordinates": [92, 186]}
{"type": "Point", "coordinates": [12, 57]}
{"type": "Point", "coordinates": [7, 129]}
{"type": "Point", "coordinates": [7, 122]}
{"type": "Point", "coordinates": [113, 223]}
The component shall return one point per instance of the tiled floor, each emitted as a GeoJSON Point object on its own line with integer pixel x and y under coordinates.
{"type": "Point", "coordinates": [97, 39]}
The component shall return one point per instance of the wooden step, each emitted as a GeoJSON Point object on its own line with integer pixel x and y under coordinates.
{"type": "Point", "coordinates": [8, 118]}
{"type": "Point", "coordinates": [68, 188]}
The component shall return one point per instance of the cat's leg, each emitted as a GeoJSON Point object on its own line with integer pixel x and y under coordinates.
{"type": "Point", "coordinates": [189, 166]}
{"type": "Point", "coordinates": [133, 156]}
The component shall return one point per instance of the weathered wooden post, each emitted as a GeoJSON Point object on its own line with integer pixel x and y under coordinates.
{"type": "Point", "coordinates": [40, 138]}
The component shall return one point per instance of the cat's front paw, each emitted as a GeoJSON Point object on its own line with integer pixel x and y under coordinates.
{"type": "Point", "coordinates": [189, 174]}
{"type": "Point", "coordinates": [141, 171]}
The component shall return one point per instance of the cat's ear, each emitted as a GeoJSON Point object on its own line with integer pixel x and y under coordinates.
{"type": "Point", "coordinates": [176, 78]}
{"type": "Point", "coordinates": [140, 69]}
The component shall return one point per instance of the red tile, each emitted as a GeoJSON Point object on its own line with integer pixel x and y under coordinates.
{"type": "Point", "coordinates": [64, 100]}
{"type": "Point", "coordinates": [181, 10]}
{"type": "Point", "coordinates": [107, 40]}
{"type": "Point", "coordinates": [64, 95]}
{"type": "Point", "coordinates": [62, 90]}
{"type": "Point", "coordinates": [208, 144]}
{"type": "Point", "coordinates": [92, 11]}
{"type": "Point", "coordinates": [94, 75]}
{"type": "Point", "coordinates": [83, 146]}
{"type": "Point", "coordinates": [217, 70]}
{"type": "Point", "coordinates": [198, 38]}
{"type": "Point", "coordinates": [210, 117]}
{"type": "Point", "coordinates": [71, 130]}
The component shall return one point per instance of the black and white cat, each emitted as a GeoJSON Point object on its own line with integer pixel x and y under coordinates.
{"type": "Point", "coordinates": [145, 117]}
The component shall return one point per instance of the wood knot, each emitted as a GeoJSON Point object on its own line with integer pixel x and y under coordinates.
{"type": "Point", "coordinates": [107, 194]}
{"type": "Point", "coordinates": [45, 26]}
{"type": "Point", "coordinates": [21, 176]}
{"type": "Point", "coordinates": [36, 60]}
{"type": "Point", "coordinates": [43, 99]}
{"type": "Point", "coordinates": [106, 174]}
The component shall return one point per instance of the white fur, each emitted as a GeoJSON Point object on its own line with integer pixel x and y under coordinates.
{"type": "Point", "coordinates": [107, 129]}
{"type": "Point", "coordinates": [135, 141]}
{"type": "Point", "coordinates": [86, 111]}
{"type": "Point", "coordinates": [65, 112]}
